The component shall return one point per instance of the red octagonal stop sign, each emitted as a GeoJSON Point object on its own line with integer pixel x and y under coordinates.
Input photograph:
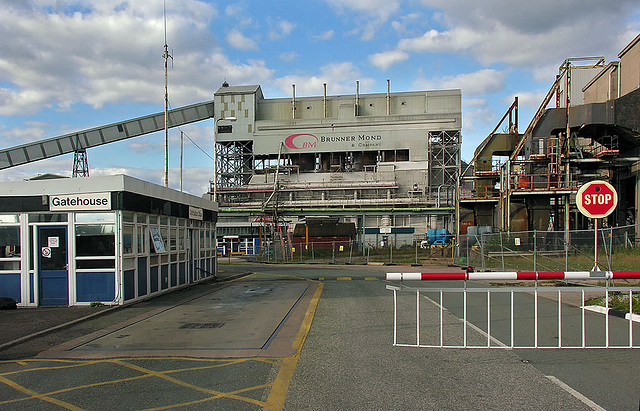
{"type": "Point", "coordinates": [597, 199]}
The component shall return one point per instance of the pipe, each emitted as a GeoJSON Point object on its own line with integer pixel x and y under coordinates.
{"type": "Point", "coordinates": [324, 100]}
{"type": "Point", "coordinates": [293, 102]}
{"type": "Point", "coordinates": [388, 98]}
{"type": "Point", "coordinates": [357, 98]}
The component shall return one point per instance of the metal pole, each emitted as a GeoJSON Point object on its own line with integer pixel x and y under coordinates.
{"type": "Point", "coordinates": [482, 250]}
{"type": "Point", "coordinates": [418, 317]}
{"type": "Point", "coordinates": [395, 317]}
{"type": "Point", "coordinates": [181, 155]}
{"type": "Point", "coordinates": [501, 252]}
{"type": "Point", "coordinates": [166, 101]}
{"type": "Point", "coordinates": [595, 236]}
{"type": "Point", "coordinates": [215, 160]}
{"type": "Point", "coordinates": [534, 250]}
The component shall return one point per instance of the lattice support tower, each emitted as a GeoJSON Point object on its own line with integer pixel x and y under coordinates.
{"type": "Point", "coordinates": [235, 163]}
{"type": "Point", "coordinates": [444, 160]}
{"type": "Point", "coordinates": [80, 163]}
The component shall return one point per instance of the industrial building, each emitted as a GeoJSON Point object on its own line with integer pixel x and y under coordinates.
{"type": "Point", "coordinates": [528, 181]}
{"type": "Point", "coordinates": [109, 240]}
{"type": "Point", "coordinates": [388, 163]}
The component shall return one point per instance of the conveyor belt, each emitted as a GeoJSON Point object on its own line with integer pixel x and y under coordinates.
{"type": "Point", "coordinates": [68, 143]}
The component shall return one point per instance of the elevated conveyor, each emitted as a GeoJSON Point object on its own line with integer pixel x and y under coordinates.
{"type": "Point", "coordinates": [68, 143]}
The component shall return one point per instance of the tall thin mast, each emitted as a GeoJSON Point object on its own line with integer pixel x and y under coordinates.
{"type": "Point", "coordinates": [166, 99]}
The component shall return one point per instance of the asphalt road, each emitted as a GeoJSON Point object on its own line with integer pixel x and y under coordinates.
{"type": "Point", "coordinates": [331, 350]}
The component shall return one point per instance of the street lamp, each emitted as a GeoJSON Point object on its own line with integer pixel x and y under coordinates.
{"type": "Point", "coordinates": [215, 155]}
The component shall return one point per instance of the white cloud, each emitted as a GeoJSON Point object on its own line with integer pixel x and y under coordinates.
{"type": "Point", "coordinates": [281, 29]}
{"type": "Point", "coordinates": [530, 100]}
{"type": "Point", "coordinates": [380, 8]}
{"type": "Point", "coordinates": [289, 56]}
{"type": "Point", "coordinates": [387, 59]}
{"type": "Point", "coordinates": [471, 84]}
{"type": "Point", "coordinates": [21, 135]}
{"type": "Point", "coordinates": [62, 54]}
{"type": "Point", "coordinates": [523, 34]}
{"type": "Point", "coordinates": [327, 35]}
{"type": "Point", "coordinates": [368, 15]}
{"type": "Point", "coordinates": [239, 41]}
{"type": "Point", "coordinates": [339, 77]}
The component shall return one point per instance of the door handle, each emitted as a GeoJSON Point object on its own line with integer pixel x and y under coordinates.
{"type": "Point", "coordinates": [66, 266]}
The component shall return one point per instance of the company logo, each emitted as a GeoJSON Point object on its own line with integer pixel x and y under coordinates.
{"type": "Point", "coordinates": [300, 141]}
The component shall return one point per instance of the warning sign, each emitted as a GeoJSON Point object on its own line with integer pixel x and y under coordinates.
{"type": "Point", "coordinates": [46, 252]}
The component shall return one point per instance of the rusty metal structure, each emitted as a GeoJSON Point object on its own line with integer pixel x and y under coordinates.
{"type": "Point", "coordinates": [526, 181]}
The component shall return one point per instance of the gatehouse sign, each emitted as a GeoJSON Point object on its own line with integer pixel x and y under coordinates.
{"type": "Point", "coordinates": [80, 202]}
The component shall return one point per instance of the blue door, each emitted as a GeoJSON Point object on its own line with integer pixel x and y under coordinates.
{"type": "Point", "coordinates": [54, 268]}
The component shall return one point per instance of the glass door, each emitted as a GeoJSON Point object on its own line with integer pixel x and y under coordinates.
{"type": "Point", "coordinates": [53, 279]}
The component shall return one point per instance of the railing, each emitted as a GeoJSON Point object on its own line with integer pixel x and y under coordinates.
{"type": "Point", "coordinates": [508, 317]}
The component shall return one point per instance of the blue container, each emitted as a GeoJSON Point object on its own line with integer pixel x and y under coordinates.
{"type": "Point", "coordinates": [431, 235]}
{"type": "Point", "coordinates": [442, 236]}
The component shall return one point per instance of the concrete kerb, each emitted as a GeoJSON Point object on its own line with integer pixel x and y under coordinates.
{"type": "Point", "coordinates": [111, 309]}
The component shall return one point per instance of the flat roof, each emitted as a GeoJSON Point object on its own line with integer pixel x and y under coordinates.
{"type": "Point", "coordinates": [629, 46]}
{"type": "Point", "coordinates": [113, 183]}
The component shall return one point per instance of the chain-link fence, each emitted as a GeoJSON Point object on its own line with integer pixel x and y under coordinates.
{"type": "Point", "coordinates": [552, 250]}
{"type": "Point", "coordinates": [354, 252]}
{"type": "Point", "coordinates": [515, 251]}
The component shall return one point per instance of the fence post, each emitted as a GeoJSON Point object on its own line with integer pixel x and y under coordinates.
{"type": "Point", "coordinates": [350, 250]}
{"type": "Point", "coordinates": [482, 250]}
{"type": "Point", "coordinates": [566, 250]}
{"type": "Point", "coordinates": [501, 251]}
{"type": "Point", "coordinates": [535, 250]}
{"type": "Point", "coordinates": [333, 253]}
{"type": "Point", "coordinates": [468, 262]}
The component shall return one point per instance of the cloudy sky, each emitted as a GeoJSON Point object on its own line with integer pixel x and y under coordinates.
{"type": "Point", "coordinates": [67, 65]}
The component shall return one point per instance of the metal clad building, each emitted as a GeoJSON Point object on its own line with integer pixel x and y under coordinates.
{"type": "Point", "coordinates": [377, 160]}
{"type": "Point", "coordinates": [108, 239]}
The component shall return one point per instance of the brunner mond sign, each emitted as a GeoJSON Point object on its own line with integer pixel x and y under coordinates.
{"type": "Point", "coordinates": [311, 141]}
{"type": "Point", "coordinates": [80, 202]}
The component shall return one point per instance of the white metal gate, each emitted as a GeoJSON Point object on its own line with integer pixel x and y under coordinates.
{"type": "Point", "coordinates": [515, 316]}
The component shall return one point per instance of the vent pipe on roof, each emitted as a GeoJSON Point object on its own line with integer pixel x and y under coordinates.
{"type": "Point", "coordinates": [293, 102]}
{"type": "Point", "coordinates": [324, 100]}
{"type": "Point", "coordinates": [388, 99]}
{"type": "Point", "coordinates": [357, 98]}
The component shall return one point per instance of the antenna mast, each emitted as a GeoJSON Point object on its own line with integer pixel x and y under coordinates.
{"type": "Point", "coordinates": [166, 56]}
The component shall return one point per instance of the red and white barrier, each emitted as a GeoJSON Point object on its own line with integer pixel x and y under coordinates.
{"type": "Point", "coordinates": [517, 275]}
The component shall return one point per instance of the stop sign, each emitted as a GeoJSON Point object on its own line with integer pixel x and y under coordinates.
{"type": "Point", "coordinates": [596, 199]}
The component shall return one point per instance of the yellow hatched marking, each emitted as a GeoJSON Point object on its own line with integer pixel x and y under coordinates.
{"type": "Point", "coordinates": [61, 367]}
{"type": "Point", "coordinates": [35, 395]}
{"type": "Point", "coordinates": [145, 374]}
{"type": "Point", "coordinates": [215, 394]}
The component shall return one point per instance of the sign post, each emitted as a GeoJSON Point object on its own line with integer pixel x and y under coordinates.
{"type": "Point", "coordinates": [596, 199]}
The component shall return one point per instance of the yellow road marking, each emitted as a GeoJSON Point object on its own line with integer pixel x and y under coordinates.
{"type": "Point", "coordinates": [370, 278]}
{"type": "Point", "coordinates": [35, 395]}
{"type": "Point", "coordinates": [282, 381]}
{"type": "Point", "coordinates": [343, 278]}
{"type": "Point", "coordinates": [216, 394]}
{"type": "Point", "coordinates": [275, 400]}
